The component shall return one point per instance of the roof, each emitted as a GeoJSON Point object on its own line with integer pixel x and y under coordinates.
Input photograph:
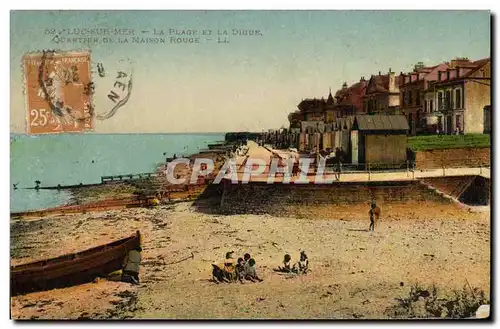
{"type": "Point", "coordinates": [477, 65]}
{"type": "Point", "coordinates": [427, 74]}
{"type": "Point", "coordinates": [315, 104]}
{"type": "Point", "coordinates": [352, 96]}
{"type": "Point", "coordinates": [380, 84]}
{"type": "Point", "coordinates": [381, 122]}
{"type": "Point", "coordinates": [465, 72]}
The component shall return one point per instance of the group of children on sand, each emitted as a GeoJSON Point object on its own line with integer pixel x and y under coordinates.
{"type": "Point", "coordinates": [300, 267]}
{"type": "Point", "coordinates": [245, 268]}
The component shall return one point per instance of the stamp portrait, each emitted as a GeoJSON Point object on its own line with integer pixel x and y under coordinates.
{"type": "Point", "coordinates": [58, 91]}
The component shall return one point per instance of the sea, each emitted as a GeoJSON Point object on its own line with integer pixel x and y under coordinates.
{"type": "Point", "coordinates": [71, 159]}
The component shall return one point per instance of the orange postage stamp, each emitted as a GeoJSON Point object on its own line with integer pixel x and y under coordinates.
{"type": "Point", "coordinates": [58, 90]}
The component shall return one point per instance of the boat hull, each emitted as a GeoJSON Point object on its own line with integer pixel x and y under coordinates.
{"type": "Point", "coordinates": [71, 269]}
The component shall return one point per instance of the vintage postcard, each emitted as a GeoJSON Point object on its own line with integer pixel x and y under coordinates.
{"type": "Point", "coordinates": [250, 165]}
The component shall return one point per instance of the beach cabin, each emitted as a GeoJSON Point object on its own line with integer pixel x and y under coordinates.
{"type": "Point", "coordinates": [379, 141]}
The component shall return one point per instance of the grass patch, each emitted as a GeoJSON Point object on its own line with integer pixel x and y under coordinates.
{"type": "Point", "coordinates": [422, 302]}
{"type": "Point", "coordinates": [434, 142]}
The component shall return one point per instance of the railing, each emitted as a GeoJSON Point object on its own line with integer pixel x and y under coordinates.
{"type": "Point", "coordinates": [370, 171]}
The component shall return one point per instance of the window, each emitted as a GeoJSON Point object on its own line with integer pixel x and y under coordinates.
{"type": "Point", "coordinates": [425, 106]}
{"type": "Point", "coordinates": [410, 100]}
{"type": "Point", "coordinates": [431, 105]}
{"type": "Point", "coordinates": [417, 98]}
{"type": "Point", "coordinates": [448, 100]}
{"type": "Point", "coordinates": [403, 94]}
{"type": "Point", "coordinates": [440, 101]}
{"type": "Point", "coordinates": [458, 98]}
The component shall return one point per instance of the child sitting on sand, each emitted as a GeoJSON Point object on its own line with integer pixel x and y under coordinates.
{"type": "Point", "coordinates": [240, 270]}
{"type": "Point", "coordinates": [251, 272]}
{"type": "Point", "coordinates": [287, 265]}
{"type": "Point", "coordinates": [302, 266]}
{"type": "Point", "coordinates": [229, 267]}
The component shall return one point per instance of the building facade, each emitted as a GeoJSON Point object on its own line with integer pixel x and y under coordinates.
{"type": "Point", "coordinates": [349, 100]}
{"type": "Point", "coordinates": [382, 94]}
{"type": "Point", "coordinates": [416, 98]}
{"type": "Point", "coordinates": [379, 141]}
{"type": "Point", "coordinates": [462, 97]}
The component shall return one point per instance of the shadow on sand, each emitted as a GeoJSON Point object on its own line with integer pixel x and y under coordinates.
{"type": "Point", "coordinates": [358, 229]}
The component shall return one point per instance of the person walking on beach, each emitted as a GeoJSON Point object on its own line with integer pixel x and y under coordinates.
{"type": "Point", "coordinates": [338, 162]}
{"type": "Point", "coordinates": [374, 215]}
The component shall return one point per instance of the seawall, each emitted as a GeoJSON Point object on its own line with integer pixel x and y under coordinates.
{"type": "Point", "coordinates": [289, 200]}
{"type": "Point", "coordinates": [457, 157]}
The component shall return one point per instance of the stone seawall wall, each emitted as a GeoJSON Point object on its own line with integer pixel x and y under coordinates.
{"type": "Point", "coordinates": [288, 200]}
{"type": "Point", "coordinates": [458, 157]}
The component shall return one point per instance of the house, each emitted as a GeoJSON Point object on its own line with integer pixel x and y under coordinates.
{"type": "Point", "coordinates": [349, 100]}
{"type": "Point", "coordinates": [416, 98]}
{"type": "Point", "coordinates": [463, 97]}
{"type": "Point", "coordinates": [379, 141]}
{"type": "Point", "coordinates": [313, 109]}
{"type": "Point", "coordinates": [382, 94]}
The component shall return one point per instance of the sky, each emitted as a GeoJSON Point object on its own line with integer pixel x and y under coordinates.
{"type": "Point", "coordinates": [252, 82]}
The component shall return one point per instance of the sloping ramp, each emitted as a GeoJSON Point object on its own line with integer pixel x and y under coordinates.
{"type": "Point", "coordinates": [470, 190]}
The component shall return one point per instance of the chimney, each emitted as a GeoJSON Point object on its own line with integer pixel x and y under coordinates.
{"type": "Point", "coordinates": [344, 86]}
{"type": "Point", "coordinates": [459, 61]}
{"type": "Point", "coordinates": [392, 81]}
{"type": "Point", "coordinates": [439, 75]}
{"type": "Point", "coordinates": [379, 73]}
{"type": "Point", "coordinates": [362, 79]}
{"type": "Point", "coordinates": [390, 71]}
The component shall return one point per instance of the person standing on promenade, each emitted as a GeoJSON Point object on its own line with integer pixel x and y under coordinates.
{"type": "Point", "coordinates": [374, 215]}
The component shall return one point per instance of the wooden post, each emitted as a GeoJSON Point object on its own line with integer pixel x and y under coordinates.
{"type": "Point", "coordinates": [444, 174]}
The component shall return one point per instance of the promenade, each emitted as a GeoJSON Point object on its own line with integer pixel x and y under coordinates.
{"type": "Point", "coordinates": [262, 153]}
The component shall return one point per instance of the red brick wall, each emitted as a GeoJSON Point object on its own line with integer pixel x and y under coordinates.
{"type": "Point", "coordinates": [458, 157]}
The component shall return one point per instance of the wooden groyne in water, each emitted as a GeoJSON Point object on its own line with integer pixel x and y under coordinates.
{"type": "Point", "coordinates": [61, 187]}
{"type": "Point", "coordinates": [104, 180]}
{"type": "Point", "coordinates": [114, 178]}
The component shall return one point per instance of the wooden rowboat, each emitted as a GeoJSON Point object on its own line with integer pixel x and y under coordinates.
{"type": "Point", "coordinates": [71, 269]}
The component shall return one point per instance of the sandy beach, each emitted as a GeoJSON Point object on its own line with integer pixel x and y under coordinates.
{"type": "Point", "coordinates": [354, 274]}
